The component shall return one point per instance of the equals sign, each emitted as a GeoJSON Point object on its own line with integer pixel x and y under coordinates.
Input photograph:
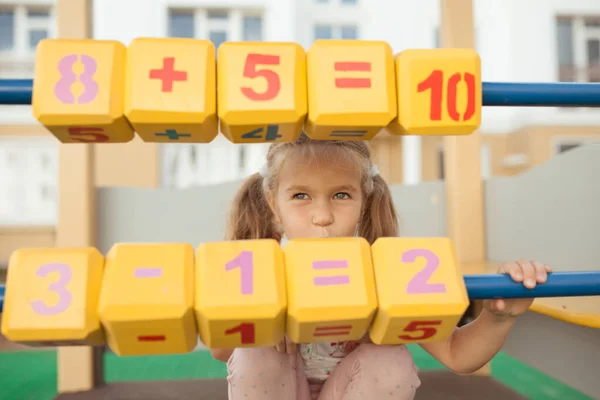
{"type": "Point", "coordinates": [331, 280]}
{"type": "Point", "coordinates": [332, 330]}
{"type": "Point", "coordinates": [352, 82]}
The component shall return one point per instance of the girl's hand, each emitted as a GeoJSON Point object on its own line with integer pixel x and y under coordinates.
{"type": "Point", "coordinates": [286, 346]}
{"type": "Point", "coordinates": [526, 271]}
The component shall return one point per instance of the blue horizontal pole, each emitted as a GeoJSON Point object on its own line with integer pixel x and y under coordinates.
{"type": "Point", "coordinates": [490, 286]}
{"type": "Point", "coordinates": [556, 94]}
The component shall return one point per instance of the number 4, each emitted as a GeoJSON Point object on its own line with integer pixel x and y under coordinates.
{"type": "Point", "coordinates": [251, 71]}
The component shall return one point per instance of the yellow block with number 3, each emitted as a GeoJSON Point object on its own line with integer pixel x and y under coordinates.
{"type": "Point", "coordinates": [331, 289]}
{"type": "Point", "coordinates": [351, 89]}
{"type": "Point", "coordinates": [421, 291]}
{"type": "Point", "coordinates": [439, 92]}
{"type": "Point", "coordinates": [52, 297]}
{"type": "Point", "coordinates": [78, 90]}
{"type": "Point", "coordinates": [147, 298]}
{"type": "Point", "coordinates": [240, 293]}
{"type": "Point", "coordinates": [261, 91]}
{"type": "Point", "coordinates": [170, 89]}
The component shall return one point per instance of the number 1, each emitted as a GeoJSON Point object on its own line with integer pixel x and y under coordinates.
{"type": "Point", "coordinates": [246, 331]}
{"type": "Point", "coordinates": [245, 262]}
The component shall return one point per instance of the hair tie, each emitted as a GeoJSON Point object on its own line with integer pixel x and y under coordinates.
{"type": "Point", "coordinates": [374, 170]}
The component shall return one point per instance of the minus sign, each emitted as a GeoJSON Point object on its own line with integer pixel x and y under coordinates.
{"type": "Point", "coordinates": [154, 338]}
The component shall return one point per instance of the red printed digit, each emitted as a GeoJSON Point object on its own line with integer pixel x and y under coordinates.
{"type": "Point", "coordinates": [470, 111]}
{"type": "Point", "coordinates": [246, 331]}
{"type": "Point", "coordinates": [251, 71]}
{"type": "Point", "coordinates": [245, 263]}
{"type": "Point", "coordinates": [87, 135]}
{"type": "Point", "coordinates": [418, 284]}
{"type": "Point", "coordinates": [424, 327]}
{"type": "Point", "coordinates": [434, 82]}
{"type": "Point", "coordinates": [452, 88]}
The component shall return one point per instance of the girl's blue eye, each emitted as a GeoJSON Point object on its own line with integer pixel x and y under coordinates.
{"type": "Point", "coordinates": [300, 196]}
{"type": "Point", "coordinates": [342, 196]}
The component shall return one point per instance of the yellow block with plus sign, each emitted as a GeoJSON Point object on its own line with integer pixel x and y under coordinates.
{"type": "Point", "coordinates": [78, 90]}
{"type": "Point", "coordinates": [147, 299]}
{"type": "Point", "coordinates": [421, 291]}
{"type": "Point", "coordinates": [261, 91]}
{"type": "Point", "coordinates": [51, 297]}
{"type": "Point", "coordinates": [439, 92]}
{"type": "Point", "coordinates": [351, 89]}
{"type": "Point", "coordinates": [240, 293]}
{"type": "Point", "coordinates": [331, 289]}
{"type": "Point", "coordinates": [170, 89]}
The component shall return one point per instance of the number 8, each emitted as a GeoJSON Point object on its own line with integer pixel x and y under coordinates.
{"type": "Point", "coordinates": [60, 287]}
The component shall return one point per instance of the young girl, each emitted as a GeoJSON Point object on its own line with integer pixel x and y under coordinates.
{"type": "Point", "coordinates": [314, 188]}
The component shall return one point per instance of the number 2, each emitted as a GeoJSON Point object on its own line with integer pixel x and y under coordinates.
{"type": "Point", "coordinates": [418, 284]}
{"type": "Point", "coordinates": [435, 82]}
{"type": "Point", "coordinates": [251, 71]}
{"type": "Point", "coordinates": [420, 326]}
{"type": "Point", "coordinates": [60, 287]}
{"type": "Point", "coordinates": [246, 264]}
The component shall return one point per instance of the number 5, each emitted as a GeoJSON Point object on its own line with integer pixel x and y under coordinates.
{"type": "Point", "coordinates": [94, 135]}
{"type": "Point", "coordinates": [420, 326]}
{"type": "Point", "coordinates": [273, 81]}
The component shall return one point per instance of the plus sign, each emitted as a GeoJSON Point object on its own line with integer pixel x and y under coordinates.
{"type": "Point", "coordinates": [173, 135]}
{"type": "Point", "coordinates": [168, 74]}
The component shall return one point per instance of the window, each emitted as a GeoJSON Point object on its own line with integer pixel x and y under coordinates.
{"type": "Point", "coordinates": [578, 49]}
{"type": "Point", "coordinates": [323, 31]}
{"type": "Point", "coordinates": [21, 29]}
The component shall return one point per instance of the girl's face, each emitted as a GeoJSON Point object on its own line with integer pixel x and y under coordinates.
{"type": "Point", "coordinates": [318, 199]}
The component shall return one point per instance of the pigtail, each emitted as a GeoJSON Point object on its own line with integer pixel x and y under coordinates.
{"type": "Point", "coordinates": [379, 217]}
{"type": "Point", "coordinates": [250, 216]}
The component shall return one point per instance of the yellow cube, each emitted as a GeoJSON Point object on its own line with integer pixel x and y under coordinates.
{"type": "Point", "coordinates": [351, 89]}
{"type": "Point", "coordinates": [261, 91]}
{"type": "Point", "coordinates": [52, 297]}
{"type": "Point", "coordinates": [331, 289]}
{"type": "Point", "coordinates": [421, 291]}
{"type": "Point", "coordinates": [147, 298]}
{"type": "Point", "coordinates": [170, 90]}
{"type": "Point", "coordinates": [240, 293]}
{"type": "Point", "coordinates": [439, 92]}
{"type": "Point", "coordinates": [78, 90]}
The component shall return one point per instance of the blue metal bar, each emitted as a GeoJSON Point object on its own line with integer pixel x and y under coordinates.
{"type": "Point", "coordinates": [557, 94]}
{"type": "Point", "coordinates": [490, 286]}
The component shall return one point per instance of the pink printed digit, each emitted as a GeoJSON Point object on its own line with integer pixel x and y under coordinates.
{"type": "Point", "coordinates": [63, 88]}
{"type": "Point", "coordinates": [246, 264]}
{"type": "Point", "coordinates": [60, 287]}
{"type": "Point", "coordinates": [418, 284]}
{"type": "Point", "coordinates": [87, 79]}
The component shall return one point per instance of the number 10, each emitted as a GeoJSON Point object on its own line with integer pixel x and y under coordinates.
{"type": "Point", "coordinates": [435, 82]}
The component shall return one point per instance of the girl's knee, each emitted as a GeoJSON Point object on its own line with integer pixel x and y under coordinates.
{"type": "Point", "coordinates": [390, 367]}
{"type": "Point", "coordinates": [259, 363]}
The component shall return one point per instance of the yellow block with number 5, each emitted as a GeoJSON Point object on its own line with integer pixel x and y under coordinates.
{"type": "Point", "coordinates": [240, 293]}
{"type": "Point", "coordinates": [439, 92]}
{"type": "Point", "coordinates": [170, 90]}
{"type": "Point", "coordinates": [52, 297]}
{"type": "Point", "coordinates": [261, 91]}
{"type": "Point", "coordinates": [78, 90]}
{"type": "Point", "coordinates": [147, 298]}
{"type": "Point", "coordinates": [421, 291]}
{"type": "Point", "coordinates": [331, 289]}
{"type": "Point", "coordinates": [351, 89]}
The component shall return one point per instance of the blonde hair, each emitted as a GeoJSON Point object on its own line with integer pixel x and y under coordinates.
{"type": "Point", "coordinates": [252, 218]}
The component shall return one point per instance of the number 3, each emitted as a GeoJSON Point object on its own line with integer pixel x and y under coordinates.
{"type": "Point", "coordinates": [60, 287]}
{"type": "Point", "coordinates": [273, 81]}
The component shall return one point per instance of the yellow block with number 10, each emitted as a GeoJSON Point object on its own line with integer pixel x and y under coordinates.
{"type": "Point", "coordinates": [147, 298]}
{"type": "Point", "coordinates": [439, 92]}
{"type": "Point", "coordinates": [78, 90]}
{"type": "Point", "coordinates": [52, 297]}
{"type": "Point", "coordinates": [421, 291]}
{"type": "Point", "coordinates": [240, 293]}
{"type": "Point", "coordinates": [261, 91]}
{"type": "Point", "coordinates": [170, 89]}
{"type": "Point", "coordinates": [351, 89]}
{"type": "Point", "coordinates": [331, 289]}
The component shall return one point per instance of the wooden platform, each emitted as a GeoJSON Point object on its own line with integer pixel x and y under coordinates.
{"type": "Point", "coordinates": [436, 385]}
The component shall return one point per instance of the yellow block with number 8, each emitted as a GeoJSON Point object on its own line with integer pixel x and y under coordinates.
{"type": "Point", "coordinates": [240, 293]}
{"type": "Point", "coordinates": [331, 289]}
{"type": "Point", "coordinates": [78, 90]}
{"type": "Point", "coordinates": [261, 91]}
{"type": "Point", "coordinates": [439, 92]}
{"type": "Point", "coordinates": [421, 291]}
{"type": "Point", "coordinates": [147, 298]}
{"type": "Point", "coordinates": [52, 297]}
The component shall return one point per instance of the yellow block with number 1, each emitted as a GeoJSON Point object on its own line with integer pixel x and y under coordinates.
{"type": "Point", "coordinates": [78, 90]}
{"type": "Point", "coordinates": [351, 89]}
{"type": "Point", "coordinates": [240, 293]}
{"type": "Point", "coordinates": [421, 291]}
{"type": "Point", "coordinates": [331, 289]}
{"type": "Point", "coordinates": [261, 91]}
{"type": "Point", "coordinates": [147, 298]}
{"type": "Point", "coordinates": [439, 92]}
{"type": "Point", "coordinates": [170, 89]}
{"type": "Point", "coordinates": [52, 297]}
